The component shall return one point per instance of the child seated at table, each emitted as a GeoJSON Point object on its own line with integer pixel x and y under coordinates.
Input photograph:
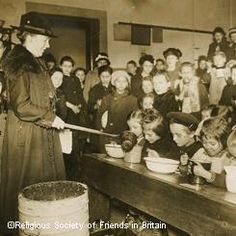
{"type": "Point", "coordinates": [158, 139]}
{"type": "Point", "coordinates": [214, 134]}
{"type": "Point", "coordinates": [183, 127]}
{"type": "Point", "coordinates": [133, 139]}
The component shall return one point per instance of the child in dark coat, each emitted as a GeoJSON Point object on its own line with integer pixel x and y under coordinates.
{"type": "Point", "coordinates": [99, 91]}
{"type": "Point", "coordinates": [164, 99]}
{"type": "Point", "coordinates": [96, 94]}
{"type": "Point", "coordinates": [115, 107]}
{"type": "Point", "coordinates": [76, 115]}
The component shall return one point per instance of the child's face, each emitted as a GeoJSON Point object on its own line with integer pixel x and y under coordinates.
{"type": "Point", "coordinates": [147, 67]}
{"type": "Point", "coordinates": [211, 145]}
{"type": "Point", "coordinates": [105, 77]}
{"type": "Point", "coordinates": [182, 136]}
{"type": "Point", "coordinates": [51, 65]}
{"type": "Point", "coordinates": [203, 64]}
{"type": "Point", "coordinates": [171, 60]}
{"type": "Point", "coordinates": [219, 60]}
{"type": "Point", "coordinates": [160, 65]}
{"type": "Point", "coordinates": [160, 84]}
{"type": "Point", "coordinates": [121, 84]}
{"type": "Point", "coordinates": [147, 86]}
{"type": "Point", "coordinates": [233, 37]}
{"type": "Point", "coordinates": [149, 134]}
{"type": "Point", "coordinates": [148, 103]}
{"type": "Point", "coordinates": [232, 149]}
{"type": "Point", "coordinates": [102, 62]}
{"type": "Point", "coordinates": [218, 37]}
{"type": "Point", "coordinates": [206, 114]}
{"type": "Point", "coordinates": [131, 68]}
{"type": "Point", "coordinates": [81, 75]}
{"type": "Point", "coordinates": [135, 127]}
{"type": "Point", "coordinates": [233, 76]}
{"type": "Point", "coordinates": [57, 78]}
{"type": "Point", "coordinates": [66, 67]}
{"type": "Point", "coordinates": [187, 73]}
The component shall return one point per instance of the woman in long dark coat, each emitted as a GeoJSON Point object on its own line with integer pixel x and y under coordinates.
{"type": "Point", "coordinates": [31, 148]}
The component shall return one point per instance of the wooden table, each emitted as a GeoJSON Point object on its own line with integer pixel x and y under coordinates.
{"type": "Point", "coordinates": [206, 211]}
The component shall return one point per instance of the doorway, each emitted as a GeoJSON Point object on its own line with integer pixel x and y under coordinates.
{"type": "Point", "coordinates": [76, 37]}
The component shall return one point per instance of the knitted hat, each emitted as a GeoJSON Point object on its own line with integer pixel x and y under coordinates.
{"type": "Point", "coordinates": [118, 74]}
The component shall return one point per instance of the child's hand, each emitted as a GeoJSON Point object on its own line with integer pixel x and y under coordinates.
{"type": "Point", "coordinates": [152, 153]}
{"type": "Point", "coordinates": [200, 171]}
{"type": "Point", "coordinates": [184, 159]}
{"type": "Point", "coordinates": [99, 102]}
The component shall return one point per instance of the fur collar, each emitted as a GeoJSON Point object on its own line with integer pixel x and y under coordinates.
{"type": "Point", "coordinates": [19, 61]}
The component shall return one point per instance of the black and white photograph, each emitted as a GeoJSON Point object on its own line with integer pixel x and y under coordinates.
{"type": "Point", "coordinates": [117, 118]}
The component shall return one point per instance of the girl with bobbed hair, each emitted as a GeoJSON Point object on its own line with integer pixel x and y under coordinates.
{"type": "Point", "coordinates": [158, 139]}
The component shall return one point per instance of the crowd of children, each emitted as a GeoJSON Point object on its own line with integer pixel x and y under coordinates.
{"type": "Point", "coordinates": [177, 109]}
{"type": "Point", "coordinates": [182, 110]}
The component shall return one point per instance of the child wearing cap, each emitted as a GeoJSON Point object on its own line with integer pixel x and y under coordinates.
{"type": "Point", "coordinates": [92, 78]}
{"type": "Point", "coordinates": [147, 64]}
{"type": "Point", "coordinates": [192, 94]}
{"type": "Point", "coordinates": [183, 127]}
{"type": "Point", "coordinates": [172, 57]}
{"type": "Point", "coordinates": [158, 139]}
{"type": "Point", "coordinates": [164, 97]}
{"type": "Point", "coordinates": [219, 76]}
{"type": "Point", "coordinates": [214, 134]}
{"type": "Point", "coordinates": [117, 105]}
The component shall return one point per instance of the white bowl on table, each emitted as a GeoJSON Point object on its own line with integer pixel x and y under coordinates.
{"type": "Point", "coordinates": [114, 150]}
{"type": "Point", "coordinates": [161, 165]}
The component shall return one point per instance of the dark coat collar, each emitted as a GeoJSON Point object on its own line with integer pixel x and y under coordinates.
{"type": "Point", "coordinates": [19, 61]}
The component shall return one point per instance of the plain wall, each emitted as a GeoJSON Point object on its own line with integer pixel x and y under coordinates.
{"type": "Point", "coordinates": [195, 14]}
{"type": "Point", "coordinates": [70, 42]}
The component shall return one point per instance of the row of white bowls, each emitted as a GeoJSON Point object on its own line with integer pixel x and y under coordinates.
{"type": "Point", "coordinates": [158, 165]}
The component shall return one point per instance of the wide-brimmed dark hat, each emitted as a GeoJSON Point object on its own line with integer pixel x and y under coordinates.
{"type": "Point", "coordinates": [36, 23]}
{"type": "Point", "coordinates": [172, 51]}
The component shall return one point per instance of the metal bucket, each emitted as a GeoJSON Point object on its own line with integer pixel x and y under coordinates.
{"type": "Point", "coordinates": [54, 208]}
